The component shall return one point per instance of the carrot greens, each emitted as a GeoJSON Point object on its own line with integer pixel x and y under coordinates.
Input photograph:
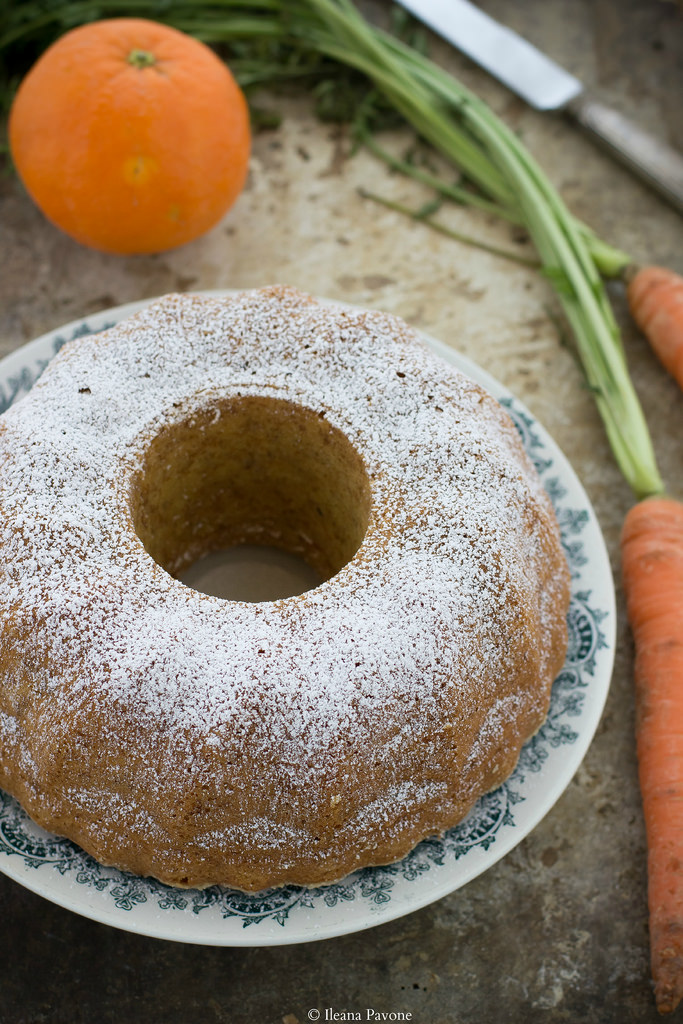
{"type": "Point", "coordinates": [329, 41]}
{"type": "Point", "coordinates": [369, 77]}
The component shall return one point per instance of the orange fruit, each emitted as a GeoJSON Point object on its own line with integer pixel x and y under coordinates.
{"type": "Point", "coordinates": [130, 136]}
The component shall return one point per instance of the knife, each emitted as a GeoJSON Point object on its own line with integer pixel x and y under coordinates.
{"type": "Point", "coordinates": [547, 86]}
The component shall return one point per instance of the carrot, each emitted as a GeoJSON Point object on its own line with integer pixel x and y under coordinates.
{"type": "Point", "coordinates": [655, 297]}
{"type": "Point", "coordinates": [652, 564]}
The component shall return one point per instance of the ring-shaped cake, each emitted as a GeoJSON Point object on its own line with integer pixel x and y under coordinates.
{"type": "Point", "coordinates": [199, 740]}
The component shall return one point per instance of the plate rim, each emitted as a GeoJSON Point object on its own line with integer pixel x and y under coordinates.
{"type": "Point", "coordinates": [38, 883]}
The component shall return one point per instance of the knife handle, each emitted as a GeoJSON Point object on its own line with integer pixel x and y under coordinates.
{"type": "Point", "coordinates": [653, 160]}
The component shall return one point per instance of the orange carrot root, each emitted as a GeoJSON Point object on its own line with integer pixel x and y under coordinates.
{"type": "Point", "coordinates": [652, 562]}
{"type": "Point", "coordinates": [655, 297]}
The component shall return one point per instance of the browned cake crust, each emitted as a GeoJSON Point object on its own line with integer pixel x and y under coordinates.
{"type": "Point", "coordinates": [199, 740]}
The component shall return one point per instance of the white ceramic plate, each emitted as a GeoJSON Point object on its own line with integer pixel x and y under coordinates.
{"type": "Point", "coordinates": [59, 871]}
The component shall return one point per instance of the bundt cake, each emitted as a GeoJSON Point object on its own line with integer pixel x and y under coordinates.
{"type": "Point", "coordinates": [199, 740]}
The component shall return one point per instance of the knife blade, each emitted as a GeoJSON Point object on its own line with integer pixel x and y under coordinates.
{"type": "Point", "coordinates": [545, 85]}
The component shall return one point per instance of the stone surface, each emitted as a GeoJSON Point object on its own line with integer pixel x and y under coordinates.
{"type": "Point", "coordinates": [557, 930]}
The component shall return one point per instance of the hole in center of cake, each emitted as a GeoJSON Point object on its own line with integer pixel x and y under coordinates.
{"type": "Point", "coordinates": [252, 499]}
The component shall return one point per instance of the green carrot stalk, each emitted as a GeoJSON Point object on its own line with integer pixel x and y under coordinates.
{"type": "Point", "coordinates": [287, 38]}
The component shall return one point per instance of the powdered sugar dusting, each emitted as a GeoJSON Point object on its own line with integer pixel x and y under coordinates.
{"type": "Point", "coordinates": [356, 704]}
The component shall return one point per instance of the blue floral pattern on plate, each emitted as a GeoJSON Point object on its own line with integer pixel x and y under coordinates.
{"type": "Point", "coordinates": [497, 822]}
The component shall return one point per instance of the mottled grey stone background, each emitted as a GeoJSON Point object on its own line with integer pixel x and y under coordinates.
{"type": "Point", "coordinates": [557, 931]}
